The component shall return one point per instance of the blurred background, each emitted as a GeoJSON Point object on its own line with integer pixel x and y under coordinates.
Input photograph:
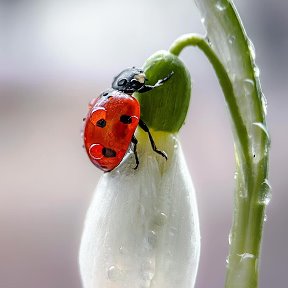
{"type": "Point", "coordinates": [57, 55]}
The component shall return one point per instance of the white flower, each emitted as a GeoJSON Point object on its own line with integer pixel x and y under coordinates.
{"type": "Point", "coordinates": [142, 228]}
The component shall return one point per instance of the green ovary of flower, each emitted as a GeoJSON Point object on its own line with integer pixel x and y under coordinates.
{"type": "Point", "coordinates": [165, 108]}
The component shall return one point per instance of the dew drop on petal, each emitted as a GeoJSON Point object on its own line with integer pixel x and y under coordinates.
{"type": "Point", "coordinates": [173, 231]}
{"type": "Point", "coordinates": [123, 250]}
{"type": "Point", "coordinates": [161, 219]}
{"type": "Point", "coordinates": [152, 238]}
{"type": "Point", "coordinates": [148, 269]}
{"type": "Point", "coordinates": [114, 273]}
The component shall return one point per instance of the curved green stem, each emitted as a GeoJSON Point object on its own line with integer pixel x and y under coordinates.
{"type": "Point", "coordinates": [224, 80]}
{"type": "Point", "coordinates": [251, 150]}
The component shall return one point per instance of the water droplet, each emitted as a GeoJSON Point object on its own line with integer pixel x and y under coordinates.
{"type": "Point", "coordinates": [203, 20]}
{"type": "Point", "coordinates": [251, 49]}
{"type": "Point", "coordinates": [264, 103]}
{"type": "Point", "coordinates": [152, 238]}
{"type": "Point", "coordinates": [227, 262]}
{"type": "Point", "coordinates": [265, 193]}
{"type": "Point", "coordinates": [265, 217]}
{"type": "Point", "coordinates": [248, 86]}
{"type": "Point", "coordinates": [114, 273]}
{"type": "Point", "coordinates": [262, 127]}
{"type": "Point", "coordinates": [246, 256]}
{"type": "Point", "coordinates": [172, 231]}
{"type": "Point", "coordinates": [230, 238]}
{"type": "Point", "coordinates": [243, 193]}
{"type": "Point", "coordinates": [95, 151]}
{"type": "Point", "coordinates": [235, 175]}
{"type": "Point", "coordinates": [207, 39]}
{"type": "Point", "coordinates": [256, 71]}
{"type": "Point", "coordinates": [161, 219]}
{"type": "Point", "coordinates": [123, 250]}
{"type": "Point", "coordinates": [221, 5]}
{"type": "Point", "coordinates": [148, 269]}
{"type": "Point", "coordinates": [231, 39]}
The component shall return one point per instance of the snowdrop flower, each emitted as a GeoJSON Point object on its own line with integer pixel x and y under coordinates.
{"type": "Point", "coordinates": [142, 229]}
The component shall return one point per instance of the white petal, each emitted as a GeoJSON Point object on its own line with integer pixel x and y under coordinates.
{"type": "Point", "coordinates": [142, 229]}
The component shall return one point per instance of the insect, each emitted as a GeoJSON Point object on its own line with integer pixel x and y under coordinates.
{"type": "Point", "coordinates": [113, 118]}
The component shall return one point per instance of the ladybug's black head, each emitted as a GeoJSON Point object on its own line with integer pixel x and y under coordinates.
{"type": "Point", "coordinates": [129, 80]}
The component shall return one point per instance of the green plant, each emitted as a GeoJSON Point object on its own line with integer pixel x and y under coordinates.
{"type": "Point", "coordinates": [232, 56]}
{"type": "Point", "coordinates": [141, 221]}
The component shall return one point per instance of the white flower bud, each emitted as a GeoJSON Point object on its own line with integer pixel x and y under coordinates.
{"type": "Point", "coordinates": [142, 228]}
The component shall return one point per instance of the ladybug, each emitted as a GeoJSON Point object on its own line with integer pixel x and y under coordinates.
{"type": "Point", "coordinates": [113, 118]}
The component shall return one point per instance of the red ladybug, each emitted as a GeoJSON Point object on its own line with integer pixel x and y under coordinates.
{"type": "Point", "coordinates": [113, 118]}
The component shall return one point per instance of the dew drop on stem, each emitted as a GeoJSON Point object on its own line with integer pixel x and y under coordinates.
{"type": "Point", "coordinates": [231, 39]}
{"type": "Point", "coordinates": [248, 85]}
{"type": "Point", "coordinates": [262, 127]}
{"type": "Point", "coordinates": [251, 49]}
{"type": "Point", "coordinates": [221, 5]}
{"type": "Point", "coordinates": [265, 194]}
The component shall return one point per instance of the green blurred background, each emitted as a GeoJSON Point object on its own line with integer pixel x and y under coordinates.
{"type": "Point", "coordinates": [57, 55]}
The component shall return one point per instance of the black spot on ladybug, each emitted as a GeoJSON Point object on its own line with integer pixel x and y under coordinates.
{"type": "Point", "coordinates": [109, 153]}
{"type": "Point", "coordinates": [101, 123]}
{"type": "Point", "coordinates": [126, 119]}
{"type": "Point", "coordinates": [122, 82]}
{"type": "Point", "coordinates": [105, 93]}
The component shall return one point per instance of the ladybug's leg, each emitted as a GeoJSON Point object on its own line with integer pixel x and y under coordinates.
{"type": "Point", "coordinates": [160, 82]}
{"type": "Point", "coordinates": [135, 141]}
{"type": "Point", "coordinates": [146, 129]}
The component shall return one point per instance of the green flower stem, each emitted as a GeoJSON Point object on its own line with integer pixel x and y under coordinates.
{"type": "Point", "coordinates": [251, 184]}
{"type": "Point", "coordinates": [224, 80]}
